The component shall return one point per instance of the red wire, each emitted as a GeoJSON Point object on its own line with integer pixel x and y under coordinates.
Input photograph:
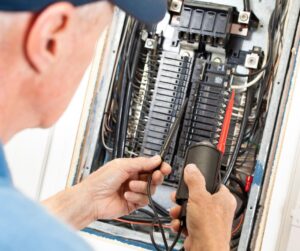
{"type": "Point", "coordinates": [226, 124]}
{"type": "Point", "coordinates": [141, 223]}
{"type": "Point", "coordinates": [238, 226]}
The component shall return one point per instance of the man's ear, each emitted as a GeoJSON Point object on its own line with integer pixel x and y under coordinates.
{"type": "Point", "coordinates": [46, 34]}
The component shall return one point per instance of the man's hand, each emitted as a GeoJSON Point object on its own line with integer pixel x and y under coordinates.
{"type": "Point", "coordinates": [120, 187]}
{"type": "Point", "coordinates": [209, 217]}
{"type": "Point", "coordinates": [116, 189]}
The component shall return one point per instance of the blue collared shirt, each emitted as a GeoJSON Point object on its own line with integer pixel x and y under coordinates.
{"type": "Point", "coordinates": [24, 225]}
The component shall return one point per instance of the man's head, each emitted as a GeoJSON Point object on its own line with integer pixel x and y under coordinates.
{"type": "Point", "coordinates": [44, 55]}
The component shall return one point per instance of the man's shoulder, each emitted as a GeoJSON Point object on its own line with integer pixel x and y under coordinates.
{"type": "Point", "coordinates": [24, 225]}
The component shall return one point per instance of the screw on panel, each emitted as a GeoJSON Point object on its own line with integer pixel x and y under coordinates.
{"type": "Point", "coordinates": [244, 17]}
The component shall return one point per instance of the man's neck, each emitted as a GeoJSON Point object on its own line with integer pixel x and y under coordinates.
{"type": "Point", "coordinates": [5, 135]}
{"type": "Point", "coordinates": [6, 131]}
{"type": "Point", "coordinates": [14, 116]}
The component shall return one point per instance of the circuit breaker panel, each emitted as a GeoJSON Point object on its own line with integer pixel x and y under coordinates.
{"type": "Point", "coordinates": [209, 54]}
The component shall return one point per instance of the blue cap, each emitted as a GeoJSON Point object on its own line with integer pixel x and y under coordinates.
{"type": "Point", "coordinates": [147, 11]}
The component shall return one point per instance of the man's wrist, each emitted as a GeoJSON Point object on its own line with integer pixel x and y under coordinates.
{"type": "Point", "coordinates": [73, 205]}
{"type": "Point", "coordinates": [208, 245]}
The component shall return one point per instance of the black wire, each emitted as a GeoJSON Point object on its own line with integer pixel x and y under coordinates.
{"type": "Point", "coordinates": [119, 137]}
{"type": "Point", "coordinates": [176, 238]}
{"type": "Point", "coordinates": [144, 211]}
{"type": "Point", "coordinates": [116, 150]}
{"type": "Point", "coordinates": [144, 219]}
{"type": "Point", "coordinates": [121, 101]}
{"type": "Point", "coordinates": [128, 94]}
{"type": "Point", "coordinates": [156, 217]}
{"type": "Point", "coordinates": [237, 181]}
{"type": "Point", "coordinates": [243, 198]}
{"type": "Point", "coordinates": [161, 210]}
{"type": "Point", "coordinates": [269, 63]}
{"type": "Point", "coordinates": [271, 32]}
{"type": "Point", "coordinates": [128, 98]}
{"type": "Point", "coordinates": [247, 5]}
{"type": "Point", "coordinates": [153, 240]}
{"type": "Point", "coordinates": [158, 221]}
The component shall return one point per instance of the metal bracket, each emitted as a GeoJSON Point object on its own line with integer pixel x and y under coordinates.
{"type": "Point", "coordinates": [239, 29]}
{"type": "Point", "coordinates": [218, 54]}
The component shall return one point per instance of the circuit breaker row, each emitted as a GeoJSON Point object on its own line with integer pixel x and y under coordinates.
{"type": "Point", "coordinates": [170, 91]}
{"type": "Point", "coordinates": [207, 104]}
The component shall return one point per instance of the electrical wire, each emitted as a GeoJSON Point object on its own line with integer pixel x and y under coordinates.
{"type": "Point", "coordinates": [115, 70]}
{"type": "Point", "coordinates": [153, 240]}
{"type": "Point", "coordinates": [263, 88]}
{"type": "Point", "coordinates": [248, 105]}
{"type": "Point", "coordinates": [160, 226]}
{"type": "Point", "coordinates": [273, 23]}
{"type": "Point", "coordinates": [269, 57]}
{"type": "Point", "coordinates": [247, 5]}
{"type": "Point", "coordinates": [122, 82]}
{"type": "Point", "coordinates": [161, 210]}
{"type": "Point", "coordinates": [109, 149]}
{"type": "Point", "coordinates": [252, 74]}
{"type": "Point", "coordinates": [249, 84]}
{"type": "Point", "coordinates": [260, 73]}
{"type": "Point", "coordinates": [142, 223]}
{"type": "Point", "coordinates": [146, 219]}
{"type": "Point", "coordinates": [237, 228]}
{"type": "Point", "coordinates": [156, 217]}
{"type": "Point", "coordinates": [126, 92]}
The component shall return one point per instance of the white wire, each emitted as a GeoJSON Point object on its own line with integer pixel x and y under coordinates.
{"type": "Point", "coordinates": [237, 115]}
{"type": "Point", "coordinates": [103, 141]}
{"type": "Point", "coordinates": [249, 84]}
{"type": "Point", "coordinates": [238, 109]}
{"type": "Point", "coordinates": [132, 153]}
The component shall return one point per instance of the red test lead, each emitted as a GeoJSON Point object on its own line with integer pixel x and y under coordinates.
{"type": "Point", "coordinates": [226, 124]}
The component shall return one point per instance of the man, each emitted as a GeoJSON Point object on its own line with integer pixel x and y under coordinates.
{"type": "Point", "coordinates": [45, 47]}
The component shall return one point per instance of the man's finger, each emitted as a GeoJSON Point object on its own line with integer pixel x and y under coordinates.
{"type": "Point", "coordinates": [140, 164]}
{"type": "Point", "coordinates": [157, 178]}
{"type": "Point", "coordinates": [158, 175]}
{"type": "Point", "coordinates": [165, 169]}
{"type": "Point", "coordinates": [136, 198]}
{"type": "Point", "coordinates": [226, 198]}
{"type": "Point", "coordinates": [175, 212]}
{"type": "Point", "coordinates": [187, 244]}
{"type": "Point", "coordinates": [175, 225]}
{"type": "Point", "coordinates": [194, 180]}
{"type": "Point", "coordinates": [138, 186]}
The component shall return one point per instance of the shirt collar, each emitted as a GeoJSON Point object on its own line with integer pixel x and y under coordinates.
{"type": "Point", "coordinates": [5, 176]}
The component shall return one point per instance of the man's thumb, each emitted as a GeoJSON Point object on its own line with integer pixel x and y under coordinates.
{"type": "Point", "coordinates": [194, 179]}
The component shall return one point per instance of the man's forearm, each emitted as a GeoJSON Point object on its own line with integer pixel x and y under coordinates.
{"type": "Point", "coordinates": [73, 206]}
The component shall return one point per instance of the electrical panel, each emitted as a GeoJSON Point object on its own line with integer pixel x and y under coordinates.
{"type": "Point", "coordinates": [211, 55]}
